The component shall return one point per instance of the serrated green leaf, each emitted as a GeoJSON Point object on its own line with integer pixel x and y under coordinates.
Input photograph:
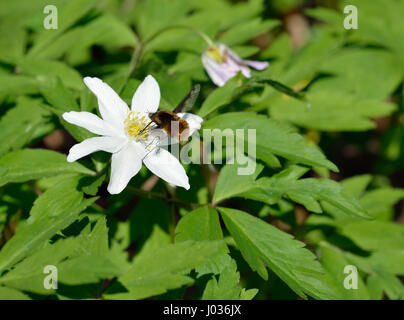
{"type": "Point", "coordinates": [147, 277]}
{"type": "Point", "coordinates": [28, 275]}
{"type": "Point", "coordinates": [199, 225]}
{"type": "Point", "coordinates": [263, 245]}
{"type": "Point", "coordinates": [282, 142]}
{"type": "Point", "coordinates": [230, 183]}
{"type": "Point", "coordinates": [87, 269]}
{"type": "Point", "coordinates": [79, 260]}
{"type": "Point", "coordinates": [308, 192]}
{"type": "Point", "coordinates": [54, 210]}
{"type": "Point", "coordinates": [227, 287]}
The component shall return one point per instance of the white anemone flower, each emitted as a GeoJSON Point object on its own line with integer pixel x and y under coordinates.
{"type": "Point", "coordinates": [124, 133]}
{"type": "Point", "coordinates": [221, 63]}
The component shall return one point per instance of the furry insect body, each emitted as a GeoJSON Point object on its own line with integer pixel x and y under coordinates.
{"type": "Point", "coordinates": [172, 124]}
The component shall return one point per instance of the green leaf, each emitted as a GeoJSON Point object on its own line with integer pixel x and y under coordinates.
{"type": "Point", "coordinates": [37, 67]}
{"type": "Point", "coordinates": [260, 82]}
{"type": "Point", "coordinates": [229, 183]}
{"type": "Point", "coordinates": [173, 90]}
{"type": "Point", "coordinates": [19, 124]}
{"type": "Point", "coordinates": [383, 266]}
{"type": "Point", "coordinates": [61, 100]}
{"type": "Point", "coordinates": [375, 235]}
{"type": "Point", "coordinates": [282, 142]}
{"type": "Point", "coordinates": [87, 269]}
{"type": "Point", "coordinates": [75, 44]}
{"type": "Point", "coordinates": [390, 260]}
{"type": "Point", "coordinates": [309, 192]}
{"type": "Point", "coordinates": [148, 277]}
{"type": "Point", "coordinates": [57, 95]}
{"type": "Point", "coordinates": [12, 294]}
{"type": "Point", "coordinates": [263, 245]}
{"type": "Point", "coordinates": [381, 200]}
{"type": "Point", "coordinates": [54, 210]}
{"type": "Point", "coordinates": [244, 32]}
{"type": "Point", "coordinates": [11, 48]}
{"type": "Point", "coordinates": [28, 275]}
{"type": "Point", "coordinates": [349, 67]}
{"type": "Point", "coordinates": [356, 185]}
{"type": "Point", "coordinates": [330, 16]}
{"type": "Point", "coordinates": [375, 287]}
{"type": "Point", "coordinates": [32, 164]}
{"type": "Point", "coordinates": [227, 287]}
{"type": "Point", "coordinates": [371, 29]}
{"type": "Point", "coordinates": [331, 111]}
{"type": "Point", "coordinates": [390, 284]}
{"type": "Point", "coordinates": [67, 16]}
{"type": "Point", "coordinates": [199, 225]}
{"type": "Point", "coordinates": [95, 242]}
{"type": "Point", "coordinates": [334, 264]}
{"type": "Point", "coordinates": [14, 85]}
{"type": "Point", "coordinates": [92, 184]}
{"type": "Point", "coordinates": [219, 97]}
{"type": "Point", "coordinates": [79, 260]}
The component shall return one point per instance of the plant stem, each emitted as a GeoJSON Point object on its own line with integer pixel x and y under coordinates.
{"type": "Point", "coordinates": [141, 45]}
{"type": "Point", "coordinates": [133, 61]}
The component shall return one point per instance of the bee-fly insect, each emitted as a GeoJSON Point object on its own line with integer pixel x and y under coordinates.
{"type": "Point", "coordinates": [173, 125]}
{"type": "Point", "coordinates": [170, 122]}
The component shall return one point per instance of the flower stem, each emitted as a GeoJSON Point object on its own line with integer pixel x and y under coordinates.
{"type": "Point", "coordinates": [137, 53]}
{"type": "Point", "coordinates": [133, 61]}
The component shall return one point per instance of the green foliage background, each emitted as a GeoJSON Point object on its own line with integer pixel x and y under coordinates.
{"type": "Point", "coordinates": [326, 190]}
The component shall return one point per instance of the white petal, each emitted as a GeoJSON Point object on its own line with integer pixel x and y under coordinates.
{"type": "Point", "coordinates": [126, 163]}
{"type": "Point", "coordinates": [259, 65]}
{"type": "Point", "coordinates": [91, 122]}
{"type": "Point", "coordinates": [194, 121]}
{"type": "Point", "coordinates": [164, 165]}
{"type": "Point", "coordinates": [147, 96]}
{"type": "Point", "coordinates": [218, 73]}
{"type": "Point", "coordinates": [112, 108]}
{"type": "Point", "coordinates": [107, 144]}
{"type": "Point", "coordinates": [225, 50]}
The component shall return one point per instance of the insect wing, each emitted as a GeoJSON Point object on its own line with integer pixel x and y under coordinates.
{"type": "Point", "coordinates": [187, 103]}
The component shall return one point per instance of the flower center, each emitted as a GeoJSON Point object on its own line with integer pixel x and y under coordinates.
{"type": "Point", "coordinates": [214, 53]}
{"type": "Point", "coordinates": [135, 127]}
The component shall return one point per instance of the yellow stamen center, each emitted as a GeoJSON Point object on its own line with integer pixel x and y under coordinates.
{"type": "Point", "coordinates": [214, 53]}
{"type": "Point", "coordinates": [135, 125]}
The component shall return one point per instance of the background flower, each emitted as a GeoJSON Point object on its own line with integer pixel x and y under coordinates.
{"type": "Point", "coordinates": [221, 63]}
